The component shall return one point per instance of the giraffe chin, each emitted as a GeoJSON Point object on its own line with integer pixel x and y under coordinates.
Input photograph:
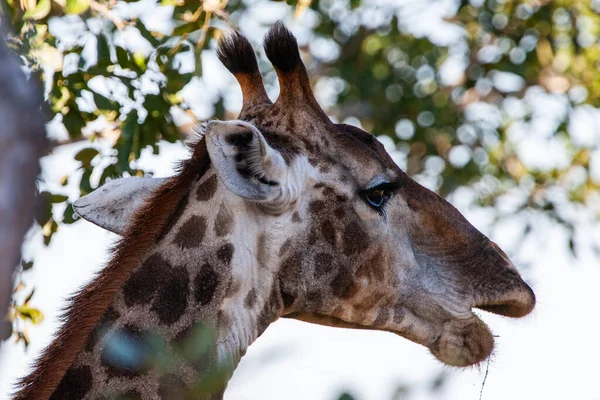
{"type": "Point", "coordinates": [463, 342]}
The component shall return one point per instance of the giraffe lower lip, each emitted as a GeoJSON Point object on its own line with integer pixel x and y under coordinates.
{"type": "Point", "coordinates": [463, 342]}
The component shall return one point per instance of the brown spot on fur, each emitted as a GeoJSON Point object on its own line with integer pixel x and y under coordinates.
{"type": "Point", "coordinates": [174, 218]}
{"type": "Point", "coordinates": [291, 267]}
{"type": "Point", "coordinates": [339, 212]}
{"type": "Point", "coordinates": [271, 310]}
{"type": "Point", "coordinates": [224, 221]}
{"type": "Point", "coordinates": [290, 275]}
{"type": "Point", "coordinates": [373, 268]}
{"type": "Point", "coordinates": [355, 239]}
{"type": "Point", "coordinates": [314, 298]}
{"type": "Point", "coordinates": [250, 299]}
{"type": "Point", "coordinates": [74, 385]}
{"type": "Point", "coordinates": [234, 287]}
{"type": "Point", "coordinates": [143, 282]}
{"type": "Point", "coordinates": [328, 232]}
{"type": "Point", "coordinates": [207, 189]}
{"type": "Point", "coordinates": [343, 285]}
{"type": "Point", "coordinates": [324, 168]}
{"type": "Point", "coordinates": [262, 255]}
{"type": "Point", "coordinates": [287, 245]}
{"type": "Point", "coordinates": [399, 315]}
{"type": "Point", "coordinates": [316, 207]}
{"type": "Point", "coordinates": [147, 222]}
{"type": "Point", "coordinates": [296, 217]}
{"type": "Point", "coordinates": [171, 298]}
{"type": "Point", "coordinates": [323, 264]}
{"type": "Point", "coordinates": [205, 284]}
{"type": "Point", "coordinates": [191, 233]}
{"type": "Point", "coordinates": [225, 253]}
{"type": "Point", "coordinates": [382, 318]}
{"type": "Point", "coordinates": [288, 298]}
{"type": "Point", "coordinates": [328, 192]}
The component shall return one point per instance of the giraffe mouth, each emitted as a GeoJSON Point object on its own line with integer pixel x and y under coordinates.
{"type": "Point", "coordinates": [467, 340]}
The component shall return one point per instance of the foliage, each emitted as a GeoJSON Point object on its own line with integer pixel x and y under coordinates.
{"type": "Point", "coordinates": [197, 351]}
{"type": "Point", "coordinates": [113, 79]}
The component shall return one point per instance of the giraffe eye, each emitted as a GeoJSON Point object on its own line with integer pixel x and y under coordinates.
{"type": "Point", "coordinates": [377, 197]}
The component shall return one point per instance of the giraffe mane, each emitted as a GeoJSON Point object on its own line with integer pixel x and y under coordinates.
{"type": "Point", "coordinates": [86, 307]}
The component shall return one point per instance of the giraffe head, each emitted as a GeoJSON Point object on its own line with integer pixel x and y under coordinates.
{"type": "Point", "coordinates": [352, 241]}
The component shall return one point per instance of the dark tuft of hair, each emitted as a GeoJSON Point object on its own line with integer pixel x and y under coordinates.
{"type": "Point", "coordinates": [282, 49]}
{"type": "Point", "coordinates": [236, 53]}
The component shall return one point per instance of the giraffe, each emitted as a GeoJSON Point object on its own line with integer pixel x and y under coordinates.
{"type": "Point", "coordinates": [280, 213]}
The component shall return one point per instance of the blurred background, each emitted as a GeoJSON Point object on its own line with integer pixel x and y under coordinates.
{"type": "Point", "coordinates": [493, 104]}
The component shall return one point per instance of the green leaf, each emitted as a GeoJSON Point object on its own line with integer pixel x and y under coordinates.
{"type": "Point", "coordinates": [198, 63]}
{"type": "Point", "coordinates": [29, 313]}
{"type": "Point", "coordinates": [44, 209]}
{"type": "Point", "coordinates": [26, 265]}
{"type": "Point", "coordinates": [149, 132]}
{"type": "Point", "coordinates": [168, 130]}
{"type": "Point", "coordinates": [86, 156]}
{"type": "Point", "coordinates": [123, 57]}
{"type": "Point", "coordinates": [176, 82]}
{"type": "Point", "coordinates": [103, 51]}
{"type": "Point", "coordinates": [156, 103]}
{"type": "Point", "coordinates": [146, 34]}
{"type": "Point", "coordinates": [48, 230]}
{"type": "Point", "coordinates": [74, 122]}
{"type": "Point", "coordinates": [77, 6]}
{"type": "Point", "coordinates": [129, 130]}
{"type": "Point", "coordinates": [140, 61]}
{"type": "Point", "coordinates": [104, 103]}
{"type": "Point", "coordinates": [85, 186]}
{"type": "Point", "coordinates": [58, 198]}
{"type": "Point", "coordinates": [41, 10]}
{"type": "Point", "coordinates": [109, 172]}
{"type": "Point", "coordinates": [69, 216]}
{"type": "Point", "coordinates": [186, 28]}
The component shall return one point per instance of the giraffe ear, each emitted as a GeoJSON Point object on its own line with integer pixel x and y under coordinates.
{"type": "Point", "coordinates": [112, 205]}
{"type": "Point", "coordinates": [244, 161]}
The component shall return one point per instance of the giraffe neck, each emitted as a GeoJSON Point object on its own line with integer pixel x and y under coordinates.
{"type": "Point", "coordinates": [208, 268]}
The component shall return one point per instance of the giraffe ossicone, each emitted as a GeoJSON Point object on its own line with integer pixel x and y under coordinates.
{"type": "Point", "coordinates": [281, 213]}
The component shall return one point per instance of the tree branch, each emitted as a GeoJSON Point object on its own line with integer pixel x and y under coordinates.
{"type": "Point", "coordinates": [22, 142]}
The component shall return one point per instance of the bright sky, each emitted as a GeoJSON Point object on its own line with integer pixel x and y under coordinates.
{"type": "Point", "coordinates": [551, 354]}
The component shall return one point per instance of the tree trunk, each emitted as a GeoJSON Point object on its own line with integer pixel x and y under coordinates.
{"type": "Point", "coordinates": [22, 141]}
